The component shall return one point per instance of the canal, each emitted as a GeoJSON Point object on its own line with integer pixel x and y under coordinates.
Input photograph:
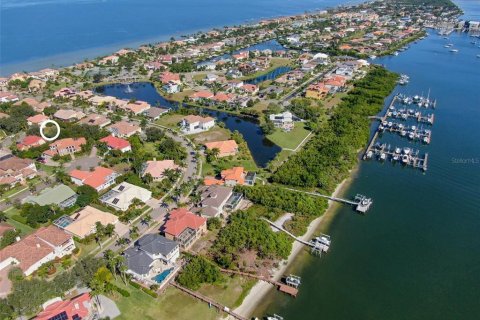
{"type": "Point", "coordinates": [262, 149]}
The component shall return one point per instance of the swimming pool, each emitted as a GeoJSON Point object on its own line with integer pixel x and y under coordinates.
{"type": "Point", "coordinates": [160, 277]}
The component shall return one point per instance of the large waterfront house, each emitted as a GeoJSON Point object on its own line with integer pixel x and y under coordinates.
{"type": "Point", "coordinates": [195, 124]}
{"type": "Point", "coordinates": [184, 227]}
{"type": "Point", "coordinates": [225, 148]}
{"type": "Point", "coordinates": [151, 255]}
{"type": "Point", "coordinates": [213, 200]}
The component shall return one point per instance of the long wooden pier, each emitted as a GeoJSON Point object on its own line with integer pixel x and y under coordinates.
{"type": "Point", "coordinates": [208, 300]}
{"type": "Point", "coordinates": [362, 203]}
{"type": "Point", "coordinates": [280, 286]}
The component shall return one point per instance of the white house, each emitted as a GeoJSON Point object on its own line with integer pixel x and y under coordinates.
{"type": "Point", "coordinates": [122, 196]}
{"type": "Point", "coordinates": [194, 124]}
{"type": "Point", "coordinates": [42, 246]}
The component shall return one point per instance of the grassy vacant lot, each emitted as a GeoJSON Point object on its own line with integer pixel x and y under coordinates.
{"type": "Point", "coordinates": [289, 140]}
{"type": "Point", "coordinates": [179, 96]}
{"type": "Point", "coordinates": [174, 304]}
{"type": "Point", "coordinates": [170, 120]}
{"type": "Point", "coordinates": [215, 134]}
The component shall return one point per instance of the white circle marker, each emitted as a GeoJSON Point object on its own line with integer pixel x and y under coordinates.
{"type": "Point", "coordinates": [42, 127]}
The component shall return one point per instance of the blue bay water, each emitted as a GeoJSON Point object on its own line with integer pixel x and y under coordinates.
{"type": "Point", "coordinates": [415, 254]}
{"type": "Point", "coordinates": [40, 33]}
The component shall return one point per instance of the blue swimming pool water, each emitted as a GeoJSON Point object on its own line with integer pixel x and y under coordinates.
{"type": "Point", "coordinates": [162, 276]}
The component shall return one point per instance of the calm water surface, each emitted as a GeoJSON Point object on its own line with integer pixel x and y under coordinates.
{"type": "Point", "coordinates": [40, 33]}
{"type": "Point", "coordinates": [416, 254]}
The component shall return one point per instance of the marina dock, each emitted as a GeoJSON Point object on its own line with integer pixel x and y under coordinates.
{"type": "Point", "coordinates": [405, 155]}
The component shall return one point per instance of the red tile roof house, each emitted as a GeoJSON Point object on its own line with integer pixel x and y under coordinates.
{"type": "Point", "coordinates": [166, 77]}
{"type": "Point", "coordinates": [65, 146]}
{"type": "Point", "coordinates": [124, 129]}
{"type": "Point", "coordinates": [30, 142]}
{"type": "Point", "coordinates": [157, 168]}
{"type": "Point", "coordinates": [184, 227]}
{"type": "Point", "coordinates": [8, 97]}
{"type": "Point", "coordinates": [226, 148]}
{"type": "Point", "coordinates": [136, 107]}
{"type": "Point", "coordinates": [116, 143]}
{"type": "Point", "coordinates": [194, 124]}
{"type": "Point", "coordinates": [95, 120]}
{"type": "Point", "coordinates": [80, 307]}
{"type": "Point", "coordinates": [37, 119]}
{"type": "Point", "coordinates": [15, 170]}
{"type": "Point", "coordinates": [68, 115]}
{"type": "Point", "coordinates": [99, 179]}
{"type": "Point", "coordinates": [250, 88]}
{"type": "Point", "coordinates": [64, 93]}
{"type": "Point", "coordinates": [42, 246]}
{"type": "Point", "coordinates": [201, 95]}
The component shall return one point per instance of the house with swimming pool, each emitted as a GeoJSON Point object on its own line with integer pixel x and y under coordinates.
{"type": "Point", "coordinates": [152, 258]}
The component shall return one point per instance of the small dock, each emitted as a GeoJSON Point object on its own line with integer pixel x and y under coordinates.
{"type": "Point", "coordinates": [361, 203]}
{"type": "Point", "coordinates": [208, 300]}
{"type": "Point", "coordinates": [317, 245]}
{"type": "Point", "coordinates": [282, 287]}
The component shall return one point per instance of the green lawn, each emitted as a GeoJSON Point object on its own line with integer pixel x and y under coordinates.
{"type": "Point", "coordinates": [289, 140]}
{"type": "Point", "coordinates": [215, 134]}
{"type": "Point", "coordinates": [174, 304]}
{"type": "Point", "coordinates": [170, 120]}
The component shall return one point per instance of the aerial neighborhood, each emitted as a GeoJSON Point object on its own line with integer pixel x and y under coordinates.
{"type": "Point", "coordinates": [139, 200]}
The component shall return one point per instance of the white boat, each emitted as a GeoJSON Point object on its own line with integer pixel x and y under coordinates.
{"type": "Point", "coordinates": [454, 50]}
{"type": "Point", "coordinates": [405, 158]}
{"type": "Point", "coordinates": [323, 239]}
{"type": "Point", "coordinates": [406, 150]}
{"type": "Point", "coordinates": [398, 150]}
{"type": "Point", "coordinates": [395, 53]}
{"type": "Point", "coordinates": [403, 133]}
{"type": "Point", "coordinates": [383, 156]}
{"type": "Point", "coordinates": [369, 154]}
{"type": "Point", "coordinates": [396, 157]}
{"type": "Point", "coordinates": [411, 135]}
{"type": "Point", "coordinates": [426, 140]}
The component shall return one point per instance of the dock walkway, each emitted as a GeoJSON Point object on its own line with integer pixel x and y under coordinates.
{"type": "Point", "coordinates": [208, 300]}
{"type": "Point", "coordinates": [281, 286]}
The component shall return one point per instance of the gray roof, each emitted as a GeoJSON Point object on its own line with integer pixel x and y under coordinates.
{"type": "Point", "coordinates": [55, 195]}
{"type": "Point", "coordinates": [215, 196]}
{"type": "Point", "coordinates": [156, 244]}
{"type": "Point", "coordinates": [137, 260]}
{"type": "Point", "coordinates": [155, 112]}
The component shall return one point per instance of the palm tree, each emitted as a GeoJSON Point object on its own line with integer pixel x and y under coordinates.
{"type": "Point", "coordinates": [110, 258]}
{"type": "Point", "coordinates": [3, 216]}
{"type": "Point", "coordinates": [146, 219]}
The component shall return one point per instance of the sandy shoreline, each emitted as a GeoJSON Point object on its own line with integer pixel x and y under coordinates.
{"type": "Point", "coordinates": [260, 289]}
